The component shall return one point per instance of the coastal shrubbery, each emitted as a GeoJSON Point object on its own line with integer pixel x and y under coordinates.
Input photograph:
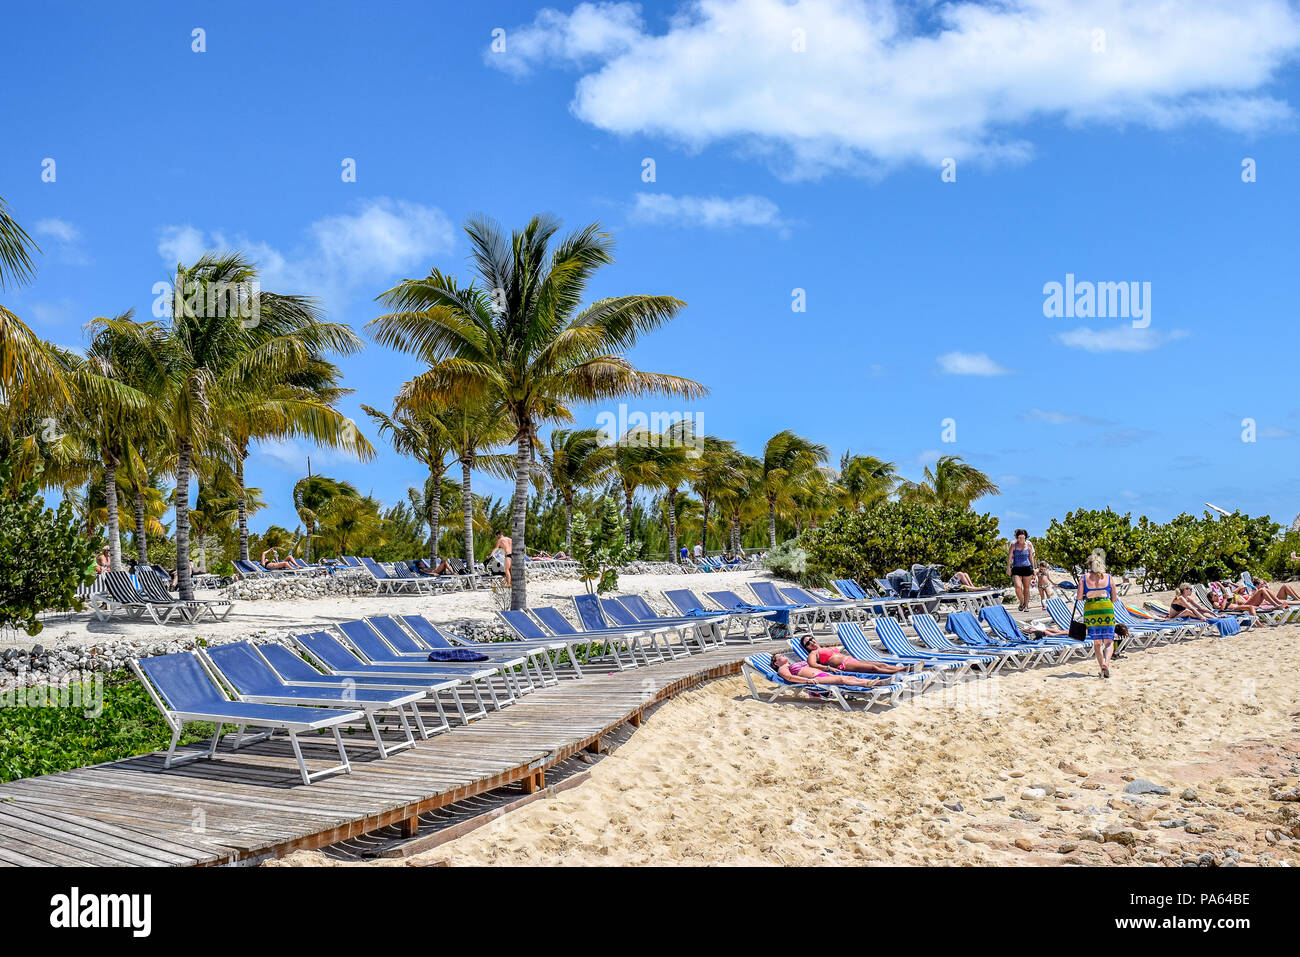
{"type": "Point", "coordinates": [868, 544]}
{"type": "Point", "coordinates": [1068, 542]}
{"type": "Point", "coordinates": [1194, 549]}
{"type": "Point", "coordinates": [789, 560]}
{"type": "Point", "coordinates": [44, 555]}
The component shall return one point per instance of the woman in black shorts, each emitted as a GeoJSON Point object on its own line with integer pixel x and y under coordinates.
{"type": "Point", "coordinates": [1020, 566]}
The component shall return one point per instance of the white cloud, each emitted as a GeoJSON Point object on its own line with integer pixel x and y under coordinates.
{"type": "Point", "coordinates": [339, 255]}
{"type": "Point", "coordinates": [58, 229]}
{"type": "Point", "coordinates": [712, 212]}
{"type": "Point", "coordinates": [1055, 417]}
{"type": "Point", "coordinates": [1118, 338]}
{"type": "Point", "coordinates": [969, 363]}
{"type": "Point", "coordinates": [885, 82]}
{"type": "Point", "coordinates": [62, 239]}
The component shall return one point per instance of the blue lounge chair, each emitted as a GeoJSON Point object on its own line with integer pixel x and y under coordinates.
{"type": "Point", "coordinates": [416, 647]}
{"type": "Point", "coordinates": [1225, 625]}
{"type": "Point", "coordinates": [931, 635]}
{"type": "Point", "coordinates": [1159, 630]}
{"type": "Point", "coordinates": [711, 630]}
{"type": "Point", "coordinates": [592, 617]}
{"type": "Point", "coordinates": [629, 641]}
{"type": "Point", "coordinates": [846, 608]}
{"type": "Point", "coordinates": [1004, 626]}
{"type": "Point", "coordinates": [388, 584]}
{"type": "Point", "coordinates": [251, 678]}
{"type": "Point", "coordinates": [616, 615]}
{"type": "Point", "coordinates": [903, 682]}
{"type": "Point", "coordinates": [688, 603]}
{"type": "Point", "coordinates": [184, 692]}
{"type": "Point", "coordinates": [532, 635]}
{"type": "Point", "coordinates": [337, 658]}
{"type": "Point", "coordinates": [768, 595]}
{"type": "Point", "coordinates": [294, 669]}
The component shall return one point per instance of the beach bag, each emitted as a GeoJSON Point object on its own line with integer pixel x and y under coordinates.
{"type": "Point", "coordinates": [1078, 630]}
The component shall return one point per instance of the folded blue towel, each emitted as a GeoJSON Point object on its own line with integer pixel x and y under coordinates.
{"type": "Point", "coordinates": [1227, 626]}
{"type": "Point", "coordinates": [456, 654]}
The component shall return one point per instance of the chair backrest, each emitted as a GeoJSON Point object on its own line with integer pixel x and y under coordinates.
{"type": "Point", "coordinates": [181, 682]}
{"type": "Point", "coordinates": [763, 665]}
{"type": "Point", "coordinates": [800, 596]}
{"type": "Point", "coordinates": [402, 570]}
{"type": "Point", "coordinates": [245, 568]}
{"type": "Point", "coordinates": [336, 655]}
{"type": "Point", "coordinates": [890, 633]}
{"type": "Point", "coordinates": [153, 585]}
{"type": "Point", "coordinates": [289, 664]}
{"type": "Point", "coordinates": [121, 588]}
{"type": "Point", "coordinates": [1247, 580]}
{"type": "Point", "coordinates": [767, 594]}
{"type": "Point", "coordinates": [589, 613]}
{"type": "Point", "coordinates": [727, 599]}
{"type": "Point", "coordinates": [554, 620]}
{"type": "Point", "coordinates": [928, 630]}
{"type": "Point", "coordinates": [394, 634]}
{"type": "Point", "coordinates": [367, 640]}
{"type": "Point", "coordinates": [615, 612]}
{"type": "Point", "coordinates": [639, 607]}
{"type": "Point", "coordinates": [523, 625]}
{"type": "Point", "coordinates": [351, 561]}
{"type": "Point", "coordinates": [246, 672]}
{"type": "Point", "coordinates": [965, 626]}
{"type": "Point", "coordinates": [376, 569]}
{"type": "Point", "coordinates": [854, 641]}
{"type": "Point", "coordinates": [886, 587]}
{"type": "Point", "coordinates": [849, 588]}
{"type": "Point", "coordinates": [1001, 622]}
{"type": "Point", "coordinates": [684, 600]}
{"type": "Point", "coordinates": [429, 633]}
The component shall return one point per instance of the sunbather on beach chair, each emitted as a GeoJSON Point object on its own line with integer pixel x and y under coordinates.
{"type": "Point", "coordinates": [803, 673]}
{"type": "Point", "coordinates": [1185, 605]}
{"type": "Point", "coordinates": [834, 657]}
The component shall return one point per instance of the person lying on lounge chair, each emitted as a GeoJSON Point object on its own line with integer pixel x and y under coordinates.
{"type": "Point", "coordinates": [274, 563]}
{"type": "Point", "coordinates": [833, 656]}
{"type": "Point", "coordinates": [560, 556]}
{"type": "Point", "coordinates": [1184, 605]}
{"type": "Point", "coordinates": [960, 581]}
{"type": "Point", "coordinates": [1285, 592]}
{"type": "Point", "coordinates": [1261, 597]}
{"type": "Point", "coordinates": [801, 673]}
{"type": "Point", "coordinates": [1225, 599]}
{"type": "Point", "coordinates": [444, 567]}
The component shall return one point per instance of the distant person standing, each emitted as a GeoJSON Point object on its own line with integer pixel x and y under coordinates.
{"type": "Point", "coordinates": [1020, 566]}
{"type": "Point", "coordinates": [685, 556]}
{"type": "Point", "coordinates": [504, 548]}
{"type": "Point", "coordinates": [699, 551]}
{"type": "Point", "coordinates": [1098, 599]}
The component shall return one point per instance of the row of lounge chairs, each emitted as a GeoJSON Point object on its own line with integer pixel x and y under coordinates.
{"type": "Point", "coordinates": [147, 595]}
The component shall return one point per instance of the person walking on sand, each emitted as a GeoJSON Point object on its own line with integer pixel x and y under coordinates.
{"type": "Point", "coordinates": [1098, 599]}
{"type": "Point", "coordinates": [1020, 566]}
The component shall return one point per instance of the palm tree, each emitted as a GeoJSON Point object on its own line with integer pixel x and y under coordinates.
{"type": "Point", "coordinates": [789, 463]}
{"type": "Point", "coordinates": [576, 461]}
{"type": "Point", "coordinates": [311, 495]}
{"type": "Point", "coordinates": [952, 482]}
{"type": "Point", "coordinates": [712, 471]}
{"type": "Point", "coordinates": [736, 495]}
{"type": "Point", "coordinates": [425, 433]}
{"type": "Point", "coordinates": [638, 460]}
{"type": "Point", "coordinates": [676, 459]}
{"type": "Point", "coordinates": [865, 480]}
{"type": "Point", "coordinates": [523, 340]}
{"type": "Point", "coordinates": [474, 428]}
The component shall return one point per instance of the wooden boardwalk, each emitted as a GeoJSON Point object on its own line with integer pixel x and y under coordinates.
{"type": "Point", "coordinates": [250, 804]}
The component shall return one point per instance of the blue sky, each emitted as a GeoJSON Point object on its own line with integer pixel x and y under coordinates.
{"type": "Point", "coordinates": [783, 161]}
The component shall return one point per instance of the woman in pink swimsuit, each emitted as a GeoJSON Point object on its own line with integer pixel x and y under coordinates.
{"type": "Point", "coordinates": [798, 672]}
{"type": "Point", "coordinates": [833, 657]}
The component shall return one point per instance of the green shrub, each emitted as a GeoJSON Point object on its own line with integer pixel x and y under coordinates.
{"type": "Point", "coordinates": [1199, 549]}
{"type": "Point", "coordinates": [600, 548]}
{"type": "Point", "coordinates": [869, 544]}
{"type": "Point", "coordinates": [1069, 542]}
{"type": "Point", "coordinates": [790, 561]}
{"type": "Point", "coordinates": [44, 555]}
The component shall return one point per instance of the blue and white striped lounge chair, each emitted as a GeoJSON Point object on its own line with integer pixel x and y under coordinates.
{"type": "Point", "coordinates": [890, 634]}
{"type": "Point", "coordinates": [294, 669]}
{"type": "Point", "coordinates": [337, 658]}
{"type": "Point", "coordinates": [931, 635]}
{"type": "Point", "coordinates": [183, 691]}
{"type": "Point", "coordinates": [903, 682]}
{"type": "Point", "coordinates": [1162, 630]}
{"type": "Point", "coordinates": [1224, 625]}
{"type": "Point", "coordinates": [760, 666]}
{"type": "Point", "coordinates": [251, 678]}
{"type": "Point", "coordinates": [154, 587]}
{"type": "Point", "coordinates": [1247, 619]}
{"type": "Point", "coordinates": [1004, 626]}
{"type": "Point", "coordinates": [854, 640]}
{"type": "Point", "coordinates": [967, 627]}
{"type": "Point", "coordinates": [1061, 614]}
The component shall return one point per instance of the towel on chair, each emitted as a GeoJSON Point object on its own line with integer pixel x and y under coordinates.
{"type": "Point", "coordinates": [456, 654]}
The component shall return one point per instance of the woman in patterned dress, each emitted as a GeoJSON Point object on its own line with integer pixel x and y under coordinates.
{"type": "Point", "coordinates": [1098, 597]}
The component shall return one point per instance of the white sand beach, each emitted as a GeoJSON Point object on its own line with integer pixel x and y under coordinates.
{"type": "Point", "coordinates": [1030, 768]}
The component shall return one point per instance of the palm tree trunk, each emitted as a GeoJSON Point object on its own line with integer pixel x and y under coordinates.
{"type": "Point", "coordinates": [184, 584]}
{"type": "Point", "coordinates": [627, 516]}
{"type": "Point", "coordinates": [735, 532]}
{"type": "Point", "coordinates": [467, 508]}
{"type": "Point", "coordinates": [110, 504]}
{"type": "Point", "coordinates": [704, 525]}
{"type": "Point", "coordinates": [672, 524]}
{"type": "Point", "coordinates": [771, 523]}
{"type": "Point", "coordinates": [435, 516]}
{"type": "Point", "coordinates": [241, 506]}
{"type": "Point", "coordinates": [568, 525]}
{"type": "Point", "coordinates": [141, 537]}
{"type": "Point", "coordinates": [523, 458]}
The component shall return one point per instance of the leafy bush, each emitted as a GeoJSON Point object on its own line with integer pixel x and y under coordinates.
{"type": "Point", "coordinates": [1199, 549]}
{"type": "Point", "coordinates": [790, 561]}
{"type": "Point", "coordinates": [599, 548]}
{"type": "Point", "coordinates": [1277, 563]}
{"type": "Point", "coordinates": [869, 544]}
{"type": "Point", "coordinates": [1070, 541]}
{"type": "Point", "coordinates": [43, 554]}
